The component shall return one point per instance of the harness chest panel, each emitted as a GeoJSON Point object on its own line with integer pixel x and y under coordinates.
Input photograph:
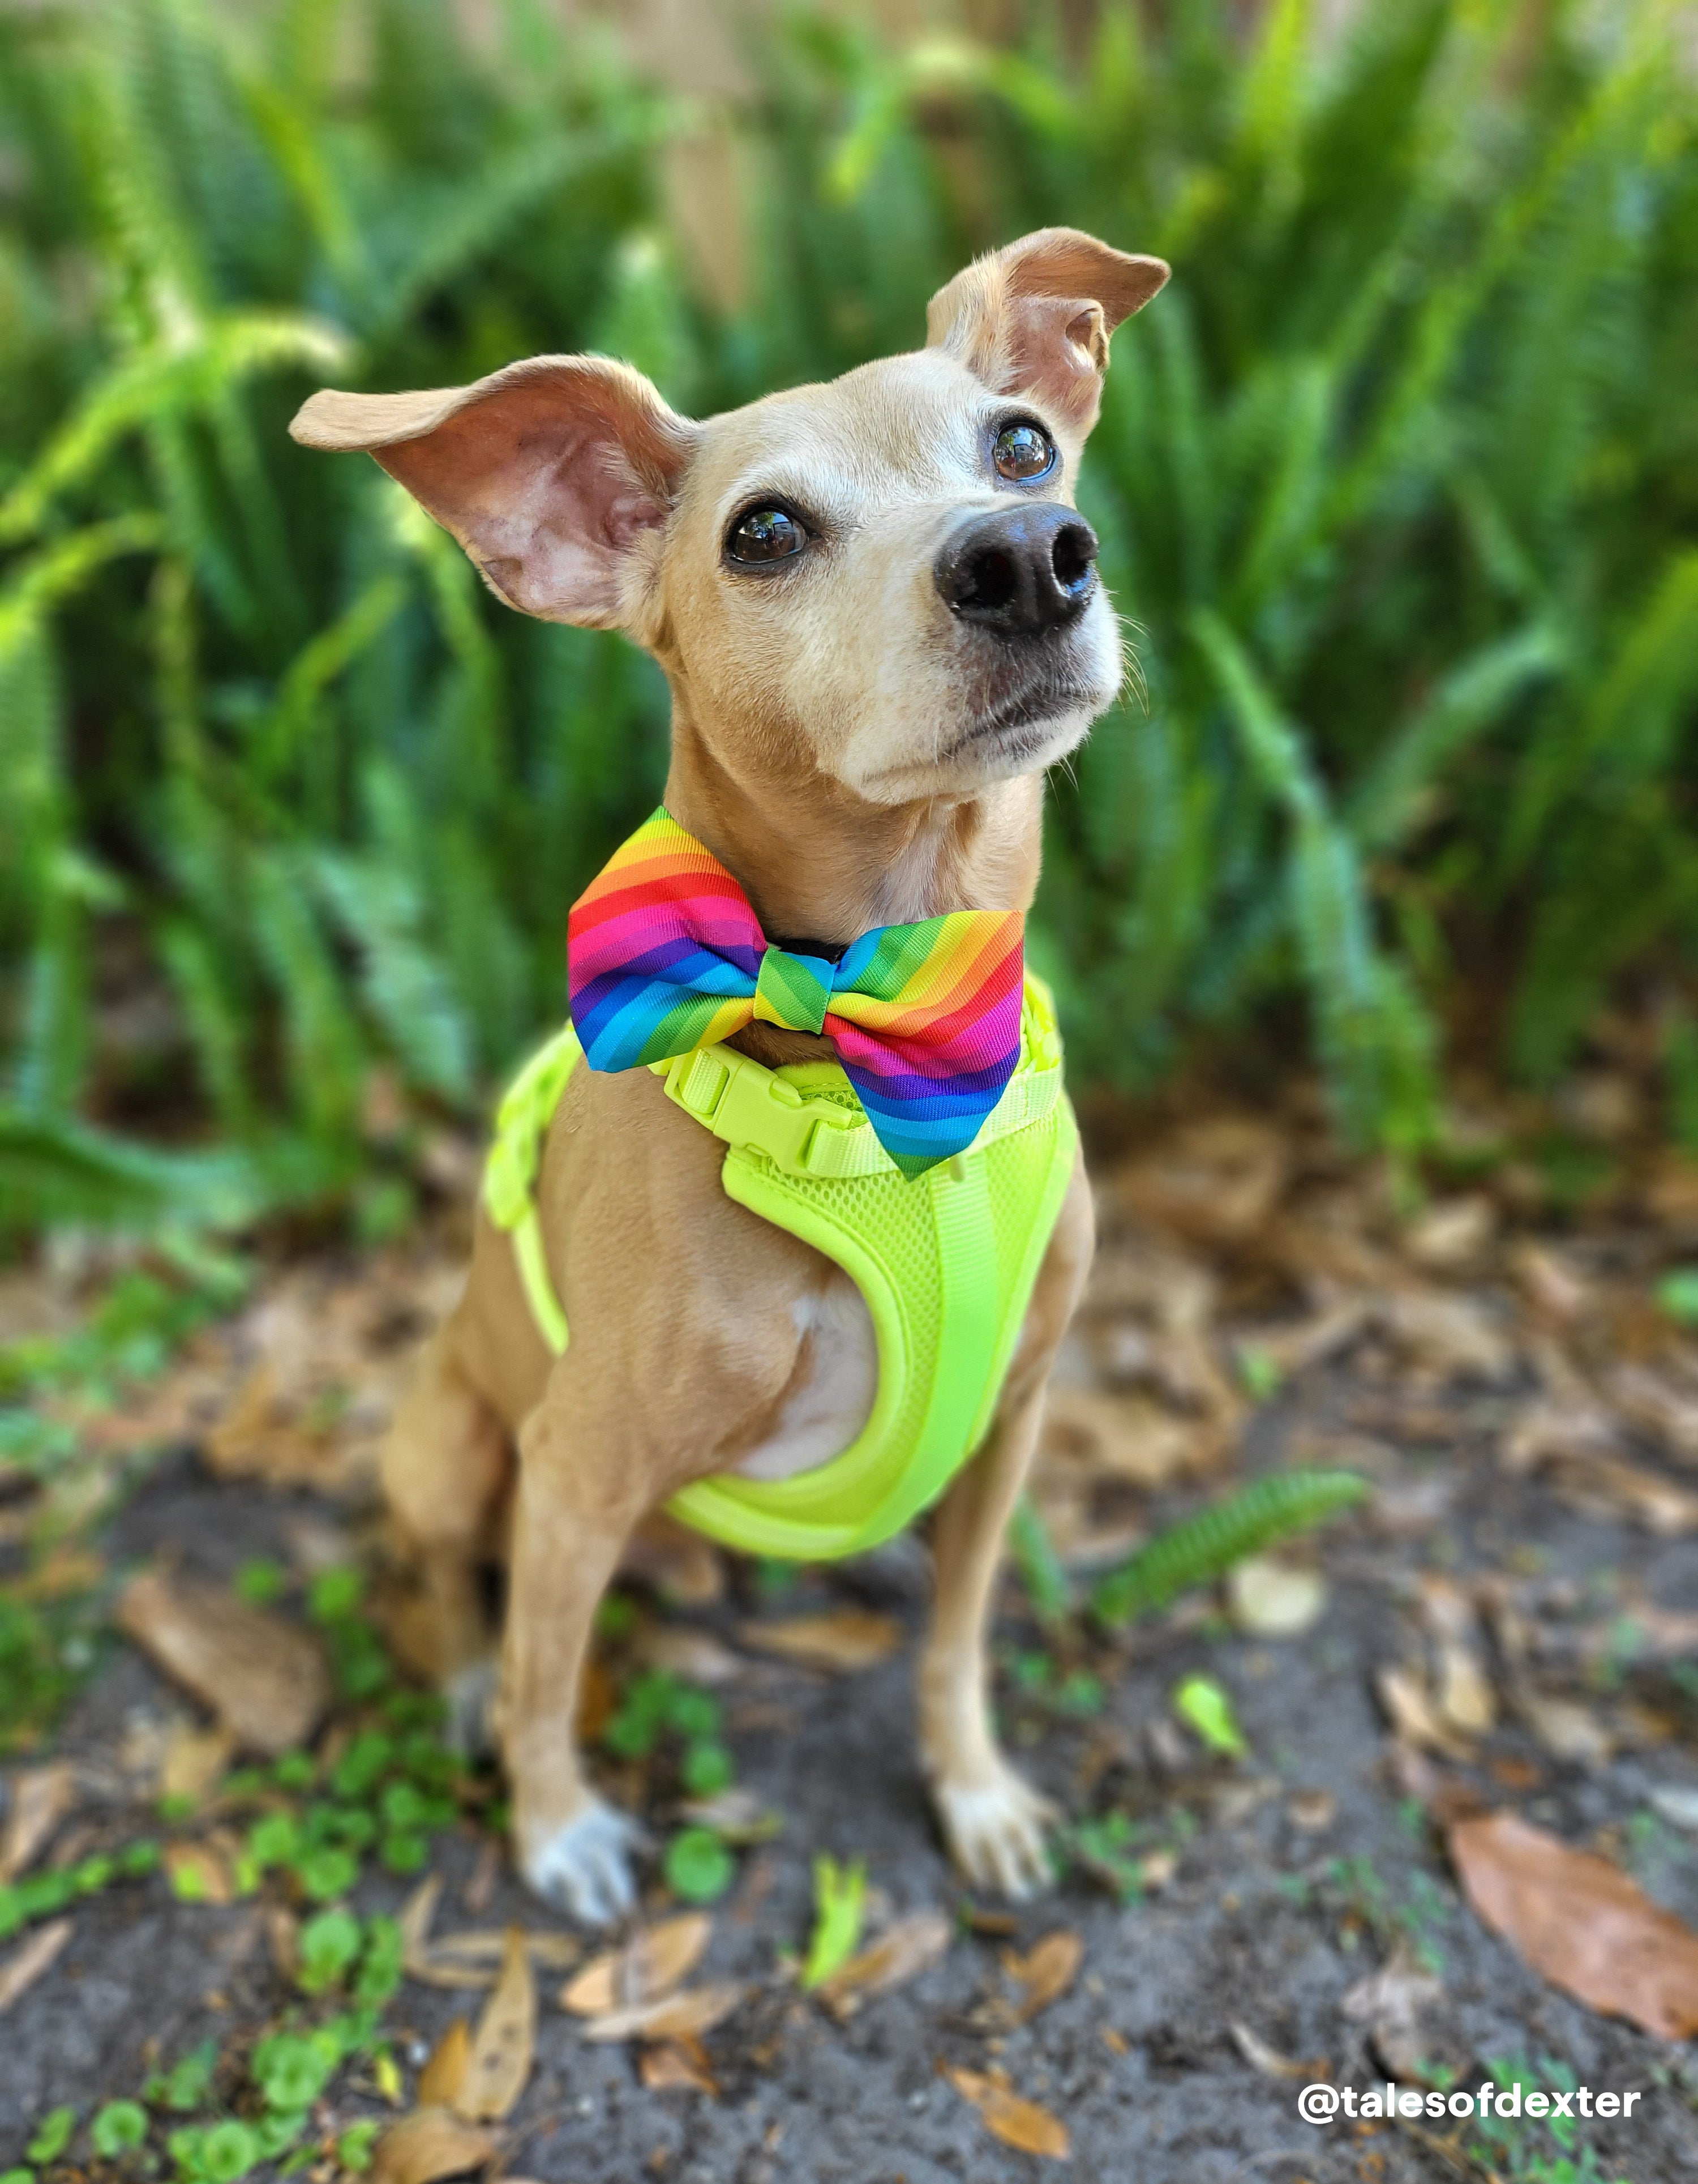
{"type": "Point", "coordinates": [945, 1261]}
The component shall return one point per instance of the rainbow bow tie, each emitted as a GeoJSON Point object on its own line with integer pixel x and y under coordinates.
{"type": "Point", "coordinates": [664, 954]}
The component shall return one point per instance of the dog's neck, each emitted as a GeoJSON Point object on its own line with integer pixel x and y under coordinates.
{"type": "Point", "coordinates": [821, 864]}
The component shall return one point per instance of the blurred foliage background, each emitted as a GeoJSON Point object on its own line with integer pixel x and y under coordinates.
{"type": "Point", "coordinates": [1398, 481]}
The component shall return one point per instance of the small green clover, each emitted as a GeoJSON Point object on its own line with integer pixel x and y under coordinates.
{"type": "Point", "coordinates": [326, 1873]}
{"type": "Point", "coordinates": [52, 2135]}
{"type": "Point", "coordinates": [354, 2150]}
{"type": "Point", "coordinates": [260, 1581]}
{"type": "Point", "coordinates": [707, 1767]}
{"type": "Point", "coordinates": [118, 2128]}
{"type": "Point", "coordinates": [329, 1944]}
{"type": "Point", "coordinates": [292, 2068]}
{"type": "Point", "coordinates": [698, 1866]}
{"type": "Point", "coordinates": [1677, 1296]}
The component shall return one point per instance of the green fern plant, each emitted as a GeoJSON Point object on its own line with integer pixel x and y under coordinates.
{"type": "Point", "coordinates": [1397, 485]}
{"type": "Point", "coordinates": [1202, 1549]}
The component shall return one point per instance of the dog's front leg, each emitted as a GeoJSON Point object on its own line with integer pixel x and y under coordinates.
{"type": "Point", "coordinates": [574, 1512]}
{"type": "Point", "coordinates": [992, 1820]}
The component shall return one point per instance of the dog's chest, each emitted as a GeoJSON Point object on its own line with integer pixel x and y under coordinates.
{"type": "Point", "coordinates": [829, 1406]}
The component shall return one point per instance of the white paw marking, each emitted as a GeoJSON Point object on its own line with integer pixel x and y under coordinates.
{"type": "Point", "coordinates": [994, 1828]}
{"type": "Point", "coordinates": [584, 1868]}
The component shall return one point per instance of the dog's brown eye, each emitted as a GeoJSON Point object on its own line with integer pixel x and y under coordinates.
{"type": "Point", "coordinates": [1023, 452]}
{"type": "Point", "coordinates": [766, 534]}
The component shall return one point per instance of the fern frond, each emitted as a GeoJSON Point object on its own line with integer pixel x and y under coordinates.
{"type": "Point", "coordinates": [1204, 1547]}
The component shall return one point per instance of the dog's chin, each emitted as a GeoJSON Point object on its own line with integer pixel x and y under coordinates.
{"type": "Point", "coordinates": [999, 741]}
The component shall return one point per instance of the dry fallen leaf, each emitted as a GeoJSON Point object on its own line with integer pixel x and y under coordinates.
{"type": "Point", "coordinates": [1264, 2058]}
{"type": "Point", "coordinates": [737, 1816]}
{"type": "Point", "coordinates": [472, 1957]}
{"type": "Point", "coordinates": [195, 1760]}
{"type": "Point", "coordinates": [913, 1945]}
{"type": "Point", "coordinates": [696, 1656]}
{"type": "Point", "coordinates": [844, 1640]}
{"type": "Point", "coordinates": [1124, 1438]}
{"type": "Point", "coordinates": [427, 2146]}
{"type": "Point", "coordinates": [1017, 2123]}
{"type": "Point", "coordinates": [654, 1961]}
{"type": "Point", "coordinates": [1448, 1336]}
{"type": "Point", "coordinates": [444, 2074]}
{"type": "Point", "coordinates": [1580, 1922]}
{"type": "Point", "coordinates": [1452, 1232]}
{"type": "Point", "coordinates": [1395, 2007]}
{"type": "Point", "coordinates": [1619, 1488]}
{"type": "Point", "coordinates": [1665, 1410]}
{"type": "Point", "coordinates": [262, 1675]}
{"type": "Point", "coordinates": [1568, 1730]}
{"type": "Point", "coordinates": [676, 2065]}
{"type": "Point", "coordinates": [41, 1798]}
{"type": "Point", "coordinates": [1217, 1180]}
{"type": "Point", "coordinates": [1045, 1973]}
{"type": "Point", "coordinates": [1412, 1715]}
{"type": "Point", "coordinates": [1268, 1598]}
{"type": "Point", "coordinates": [30, 1960]}
{"type": "Point", "coordinates": [1464, 1692]}
{"type": "Point", "coordinates": [695, 2011]}
{"type": "Point", "coordinates": [198, 1873]}
{"type": "Point", "coordinates": [504, 2045]}
{"type": "Point", "coordinates": [283, 1939]}
{"type": "Point", "coordinates": [677, 1562]}
{"type": "Point", "coordinates": [416, 1915]}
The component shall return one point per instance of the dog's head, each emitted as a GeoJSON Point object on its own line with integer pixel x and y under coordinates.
{"type": "Point", "coordinates": [882, 580]}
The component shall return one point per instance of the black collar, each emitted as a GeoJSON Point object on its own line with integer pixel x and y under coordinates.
{"type": "Point", "coordinates": [833, 950]}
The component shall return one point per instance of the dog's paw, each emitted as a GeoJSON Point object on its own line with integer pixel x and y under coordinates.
{"type": "Point", "coordinates": [470, 1696]}
{"type": "Point", "coordinates": [584, 1868]}
{"type": "Point", "coordinates": [995, 1826]}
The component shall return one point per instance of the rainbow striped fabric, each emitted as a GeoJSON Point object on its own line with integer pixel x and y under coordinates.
{"type": "Point", "coordinates": [665, 954]}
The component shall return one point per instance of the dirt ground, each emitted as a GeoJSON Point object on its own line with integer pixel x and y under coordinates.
{"type": "Point", "coordinates": [1528, 1525]}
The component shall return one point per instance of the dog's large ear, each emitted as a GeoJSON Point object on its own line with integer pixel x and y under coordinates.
{"type": "Point", "coordinates": [552, 474]}
{"type": "Point", "coordinates": [1037, 316]}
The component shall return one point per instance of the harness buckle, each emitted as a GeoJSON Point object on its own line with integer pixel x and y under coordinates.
{"type": "Point", "coordinates": [747, 1106]}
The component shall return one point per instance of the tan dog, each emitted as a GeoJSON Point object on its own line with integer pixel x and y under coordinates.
{"type": "Point", "coordinates": [880, 621]}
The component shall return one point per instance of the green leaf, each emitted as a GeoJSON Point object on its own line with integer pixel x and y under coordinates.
{"type": "Point", "coordinates": [707, 1767]}
{"type": "Point", "coordinates": [118, 2128]}
{"type": "Point", "coordinates": [1677, 1296]}
{"type": "Point", "coordinates": [324, 1874]}
{"type": "Point", "coordinates": [839, 1907]}
{"type": "Point", "coordinates": [52, 2136]}
{"type": "Point", "coordinates": [260, 1581]}
{"type": "Point", "coordinates": [698, 1866]}
{"type": "Point", "coordinates": [329, 1943]}
{"type": "Point", "coordinates": [404, 1853]}
{"type": "Point", "coordinates": [187, 2085]}
{"type": "Point", "coordinates": [292, 2068]}
{"type": "Point", "coordinates": [354, 2148]}
{"type": "Point", "coordinates": [1203, 1706]}
{"type": "Point", "coordinates": [228, 2150]}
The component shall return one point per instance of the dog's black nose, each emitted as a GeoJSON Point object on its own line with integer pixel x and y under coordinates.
{"type": "Point", "coordinates": [1021, 571]}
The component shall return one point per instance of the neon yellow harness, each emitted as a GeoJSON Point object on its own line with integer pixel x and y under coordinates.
{"type": "Point", "coordinates": [946, 1263]}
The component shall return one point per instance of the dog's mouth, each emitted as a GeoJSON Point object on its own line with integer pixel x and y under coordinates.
{"type": "Point", "coordinates": [1023, 722]}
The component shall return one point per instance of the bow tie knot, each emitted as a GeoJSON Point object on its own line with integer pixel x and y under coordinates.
{"type": "Point", "coordinates": [664, 954]}
{"type": "Point", "coordinates": [789, 991]}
